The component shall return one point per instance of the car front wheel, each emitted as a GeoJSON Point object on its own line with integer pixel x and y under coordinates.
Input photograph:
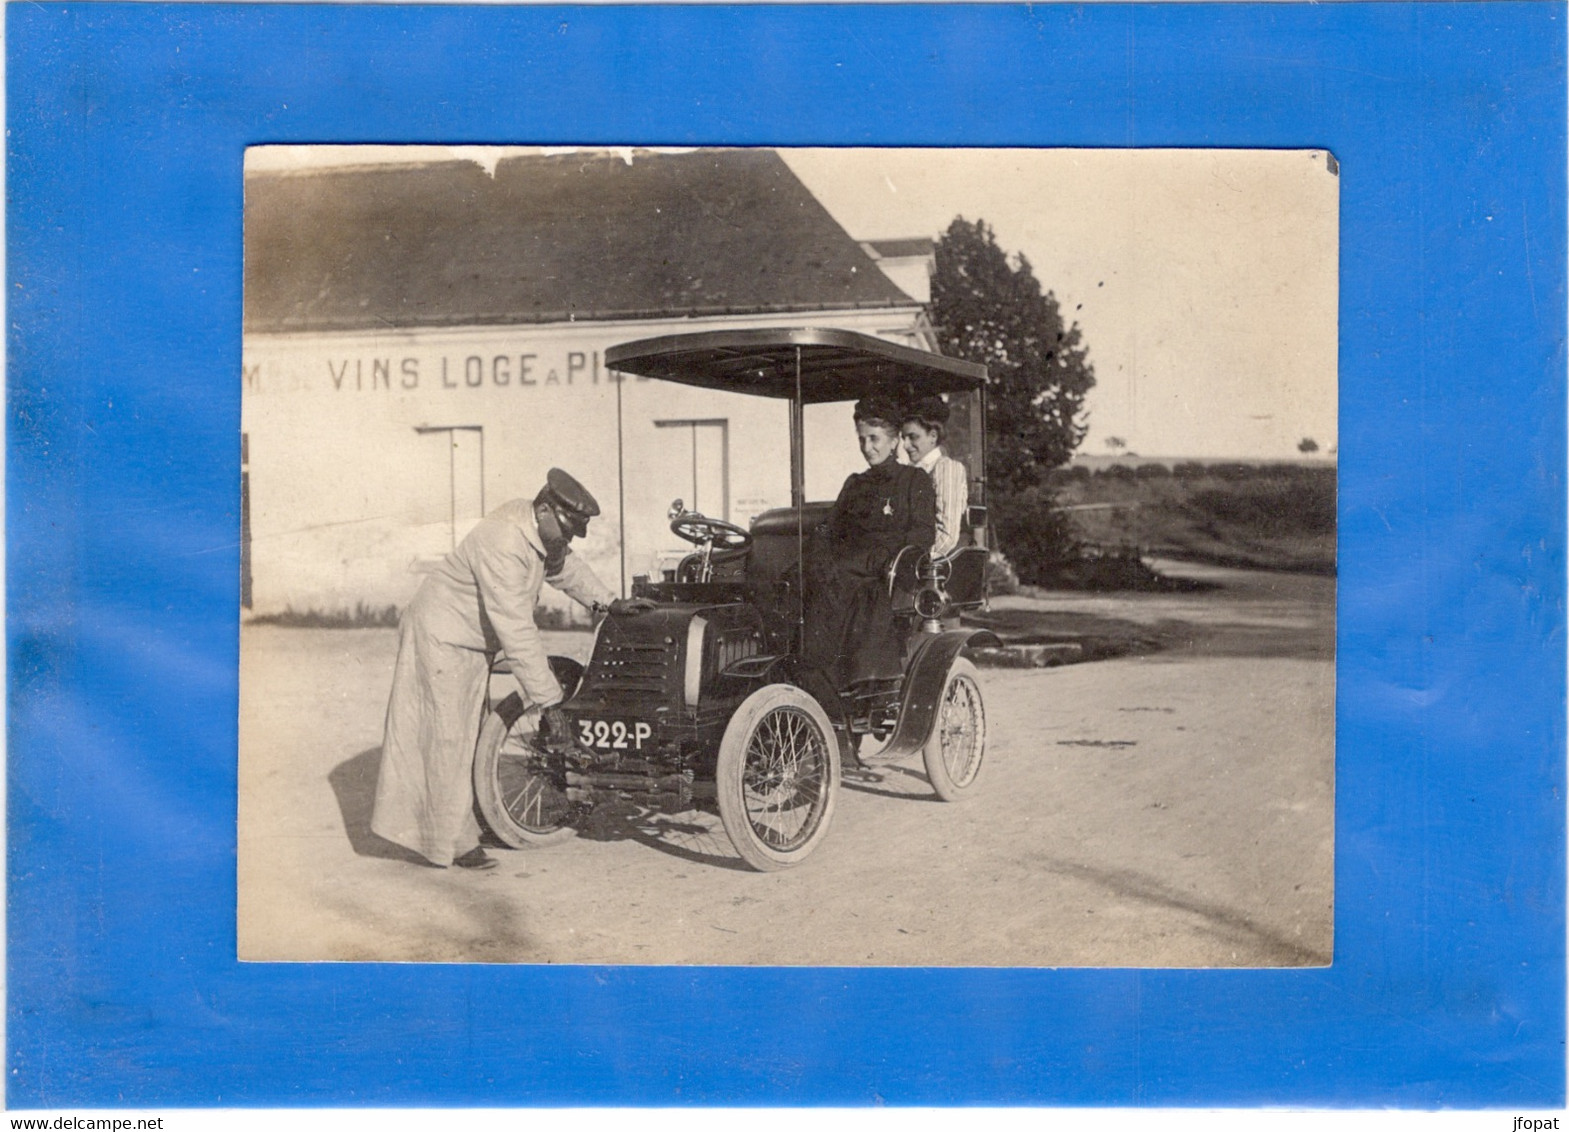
{"type": "Point", "coordinates": [777, 777]}
{"type": "Point", "coordinates": [518, 797]}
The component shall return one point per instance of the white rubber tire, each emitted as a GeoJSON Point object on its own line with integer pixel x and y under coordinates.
{"type": "Point", "coordinates": [520, 807]}
{"type": "Point", "coordinates": [957, 746]}
{"type": "Point", "coordinates": [778, 777]}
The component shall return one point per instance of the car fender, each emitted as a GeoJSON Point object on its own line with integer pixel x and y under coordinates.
{"type": "Point", "coordinates": [790, 669]}
{"type": "Point", "coordinates": [924, 678]}
{"type": "Point", "coordinates": [568, 673]}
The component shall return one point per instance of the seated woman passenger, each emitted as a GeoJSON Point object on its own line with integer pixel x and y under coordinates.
{"type": "Point", "coordinates": [850, 629]}
{"type": "Point", "coordinates": [925, 422]}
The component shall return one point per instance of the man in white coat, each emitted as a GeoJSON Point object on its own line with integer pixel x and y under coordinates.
{"type": "Point", "coordinates": [477, 603]}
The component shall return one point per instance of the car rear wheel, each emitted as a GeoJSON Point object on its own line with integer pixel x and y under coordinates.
{"type": "Point", "coordinates": [957, 745]}
{"type": "Point", "coordinates": [520, 800]}
{"type": "Point", "coordinates": [778, 776]}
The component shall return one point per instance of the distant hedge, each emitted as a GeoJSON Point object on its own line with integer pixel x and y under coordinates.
{"type": "Point", "coordinates": [1272, 506]}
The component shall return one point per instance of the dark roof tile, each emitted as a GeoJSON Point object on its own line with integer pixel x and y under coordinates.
{"type": "Point", "coordinates": [547, 239]}
{"type": "Point", "coordinates": [899, 249]}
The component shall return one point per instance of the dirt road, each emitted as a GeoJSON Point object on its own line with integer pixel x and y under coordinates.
{"type": "Point", "coordinates": [1171, 809]}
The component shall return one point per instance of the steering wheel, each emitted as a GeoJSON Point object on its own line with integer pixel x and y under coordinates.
{"type": "Point", "coordinates": [701, 530]}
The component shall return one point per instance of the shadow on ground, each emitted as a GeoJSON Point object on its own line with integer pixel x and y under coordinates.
{"type": "Point", "coordinates": [1238, 613]}
{"type": "Point", "coordinates": [695, 837]}
{"type": "Point", "coordinates": [692, 836]}
{"type": "Point", "coordinates": [353, 781]}
{"type": "Point", "coordinates": [1226, 924]}
{"type": "Point", "coordinates": [1100, 637]}
{"type": "Point", "coordinates": [889, 780]}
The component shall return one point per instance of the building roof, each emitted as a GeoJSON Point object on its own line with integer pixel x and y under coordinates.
{"type": "Point", "coordinates": [910, 247]}
{"type": "Point", "coordinates": [548, 238]}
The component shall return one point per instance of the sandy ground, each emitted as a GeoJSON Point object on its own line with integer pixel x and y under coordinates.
{"type": "Point", "coordinates": [1172, 809]}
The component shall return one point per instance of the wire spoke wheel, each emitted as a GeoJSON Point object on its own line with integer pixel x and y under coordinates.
{"type": "Point", "coordinates": [957, 746]}
{"type": "Point", "coordinates": [777, 777]}
{"type": "Point", "coordinates": [784, 779]}
{"type": "Point", "coordinates": [519, 797]}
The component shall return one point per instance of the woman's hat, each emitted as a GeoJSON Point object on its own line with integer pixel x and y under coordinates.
{"type": "Point", "coordinates": [878, 407]}
{"type": "Point", "coordinates": [929, 410]}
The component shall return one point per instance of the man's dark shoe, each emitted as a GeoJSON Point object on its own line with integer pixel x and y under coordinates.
{"type": "Point", "coordinates": [476, 858]}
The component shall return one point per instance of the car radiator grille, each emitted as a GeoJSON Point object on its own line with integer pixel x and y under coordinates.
{"type": "Point", "coordinates": [631, 668]}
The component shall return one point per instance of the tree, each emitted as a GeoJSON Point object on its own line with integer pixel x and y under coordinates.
{"type": "Point", "coordinates": [1116, 443]}
{"type": "Point", "coordinates": [1036, 534]}
{"type": "Point", "coordinates": [988, 308]}
{"type": "Point", "coordinates": [1307, 446]}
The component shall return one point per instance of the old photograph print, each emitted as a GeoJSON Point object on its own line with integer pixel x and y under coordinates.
{"type": "Point", "coordinates": [788, 557]}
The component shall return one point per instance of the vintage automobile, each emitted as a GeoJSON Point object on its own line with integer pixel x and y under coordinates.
{"type": "Point", "coordinates": [705, 700]}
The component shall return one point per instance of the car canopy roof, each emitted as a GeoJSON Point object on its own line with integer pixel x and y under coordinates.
{"type": "Point", "coordinates": [835, 365]}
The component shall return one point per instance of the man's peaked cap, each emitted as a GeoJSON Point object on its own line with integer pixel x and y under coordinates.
{"type": "Point", "coordinates": [573, 502]}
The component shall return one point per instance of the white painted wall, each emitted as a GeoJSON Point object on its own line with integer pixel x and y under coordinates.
{"type": "Point", "coordinates": [911, 274]}
{"type": "Point", "coordinates": [348, 501]}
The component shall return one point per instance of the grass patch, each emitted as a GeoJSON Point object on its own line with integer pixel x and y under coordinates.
{"type": "Point", "coordinates": [559, 619]}
{"type": "Point", "coordinates": [1264, 516]}
{"type": "Point", "coordinates": [362, 616]}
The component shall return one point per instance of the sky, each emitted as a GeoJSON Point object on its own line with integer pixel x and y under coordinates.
{"type": "Point", "coordinates": [1204, 282]}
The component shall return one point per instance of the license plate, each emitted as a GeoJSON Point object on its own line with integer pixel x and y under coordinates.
{"type": "Point", "coordinates": [613, 734]}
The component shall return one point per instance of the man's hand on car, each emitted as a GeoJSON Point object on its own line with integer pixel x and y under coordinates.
{"type": "Point", "coordinates": [553, 726]}
{"type": "Point", "coordinates": [623, 606]}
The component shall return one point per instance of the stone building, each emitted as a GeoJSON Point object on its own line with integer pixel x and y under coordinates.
{"type": "Point", "coordinates": [424, 340]}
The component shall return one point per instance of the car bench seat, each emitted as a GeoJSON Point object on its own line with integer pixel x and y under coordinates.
{"type": "Point", "coordinates": [776, 547]}
{"type": "Point", "coordinates": [774, 554]}
{"type": "Point", "coordinates": [966, 584]}
{"type": "Point", "coordinates": [960, 575]}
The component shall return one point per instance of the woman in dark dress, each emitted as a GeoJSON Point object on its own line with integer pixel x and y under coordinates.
{"type": "Point", "coordinates": [850, 629]}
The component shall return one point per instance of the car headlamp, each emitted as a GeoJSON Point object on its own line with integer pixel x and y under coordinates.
{"type": "Point", "coordinates": [929, 602]}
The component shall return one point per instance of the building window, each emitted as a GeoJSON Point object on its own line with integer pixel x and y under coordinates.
{"type": "Point", "coordinates": [465, 445]}
{"type": "Point", "coordinates": [693, 458]}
